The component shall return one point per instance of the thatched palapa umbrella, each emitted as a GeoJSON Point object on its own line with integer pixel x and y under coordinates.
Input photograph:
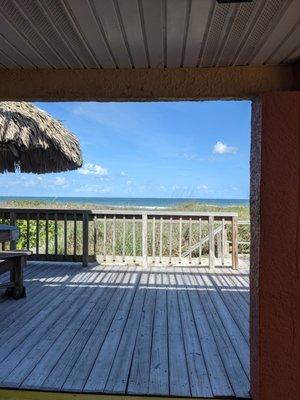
{"type": "Point", "coordinates": [32, 141]}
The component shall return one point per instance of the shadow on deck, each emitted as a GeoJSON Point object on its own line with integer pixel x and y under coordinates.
{"type": "Point", "coordinates": [169, 331]}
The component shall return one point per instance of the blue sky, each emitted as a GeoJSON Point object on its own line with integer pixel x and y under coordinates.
{"type": "Point", "coordinates": [179, 149]}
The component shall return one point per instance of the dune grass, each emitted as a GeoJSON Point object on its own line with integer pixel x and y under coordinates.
{"type": "Point", "coordinates": [243, 215]}
{"type": "Point", "coordinates": [242, 210]}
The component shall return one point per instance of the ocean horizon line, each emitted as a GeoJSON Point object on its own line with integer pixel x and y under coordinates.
{"type": "Point", "coordinates": [140, 202]}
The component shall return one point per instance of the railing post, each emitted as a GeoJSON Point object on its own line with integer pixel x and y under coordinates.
{"type": "Point", "coordinates": [211, 242]}
{"type": "Point", "coordinates": [235, 259]}
{"type": "Point", "coordinates": [13, 222]}
{"type": "Point", "coordinates": [144, 239]}
{"type": "Point", "coordinates": [223, 242]}
{"type": "Point", "coordinates": [114, 238]}
{"type": "Point", "coordinates": [226, 246]}
{"type": "Point", "coordinates": [219, 245]}
{"type": "Point", "coordinates": [85, 238]}
{"type": "Point", "coordinates": [95, 233]}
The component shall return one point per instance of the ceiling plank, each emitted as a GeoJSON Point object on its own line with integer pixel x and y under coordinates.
{"type": "Point", "coordinates": [106, 14]}
{"type": "Point", "coordinates": [6, 61]}
{"type": "Point", "coordinates": [287, 47]}
{"type": "Point", "coordinates": [176, 18]}
{"type": "Point", "coordinates": [63, 19]}
{"type": "Point", "coordinates": [233, 38]}
{"type": "Point", "coordinates": [86, 19]}
{"type": "Point", "coordinates": [294, 55]}
{"type": "Point", "coordinates": [11, 52]}
{"type": "Point", "coordinates": [199, 18]}
{"type": "Point", "coordinates": [11, 34]}
{"type": "Point", "coordinates": [220, 17]}
{"type": "Point", "coordinates": [120, 34]}
{"type": "Point", "coordinates": [263, 23]}
{"type": "Point", "coordinates": [34, 25]}
{"type": "Point", "coordinates": [154, 29]}
{"type": "Point", "coordinates": [289, 19]}
{"type": "Point", "coordinates": [130, 19]}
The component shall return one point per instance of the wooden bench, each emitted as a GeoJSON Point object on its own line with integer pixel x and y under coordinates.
{"type": "Point", "coordinates": [14, 261]}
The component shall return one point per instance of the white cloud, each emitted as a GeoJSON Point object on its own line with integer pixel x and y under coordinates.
{"type": "Point", "coordinates": [60, 181]}
{"type": "Point", "coordinates": [123, 173]}
{"type": "Point", "coordinates": [92, 169]}
{"type": "Point", "coordinates": [105, 114]}
{"type": "Point", "coordinates": [162, 188]}
{"type": "Point", "coordinates": [129, 182]}
{"type": "Point", "coordinates": [29, 183]}
{"type": "Point", "coordinates": [189, 156]}
{"type": "Point", "coordinates": [40, 182]}
{"type": "Point", "coordinates": [223, 148]}
{"type": "Point", "coordinates": [93, 188]}
{"type": "Point", "coordinates": [203, 188]}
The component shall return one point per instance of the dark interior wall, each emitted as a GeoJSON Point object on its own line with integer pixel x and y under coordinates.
{"type": "Point", "coordinates": [275, 258]}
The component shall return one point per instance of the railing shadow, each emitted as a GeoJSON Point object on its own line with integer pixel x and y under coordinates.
{"type": "Point", "coordinates": [211, 310]}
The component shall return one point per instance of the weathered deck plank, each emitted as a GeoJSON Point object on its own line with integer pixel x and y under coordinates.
{"type": "Point", "coordinates": [79, 374]}
{"type": "Point", "coordinates": [133, 330]}
{"type": "Point", "coordinates": [219, 381]}
{"type": "Point", "coordinates": [237, 339]}
{"type": "Point", "coordinates": [118, 376]}
{"type": "Point", "coordinates": [159, 363]}
{"type": "Point", "coordinates": [64, 366]}
{"type": "Point", "coordinates": [237, 376]}
{"type": "Point", "coordinates": [179, 377]}
{"type": "Point", "coordinates": [138, 382]}
{"type": "Point", "coordinates": [43, 350]}
{"type": "Point", "coordinates": [105, 354]}
{"type": "Point", "coordinates": [236, 307]}
{"type": "Point", "coordinates": [40, 273]}
{"type": "Point", "coordinates": [17, 317]}
{"type": "Point", "coordinates": [199, 379]}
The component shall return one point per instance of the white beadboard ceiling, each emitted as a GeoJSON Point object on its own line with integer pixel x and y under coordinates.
{"type": "Point", "coordinates": [77, 34]}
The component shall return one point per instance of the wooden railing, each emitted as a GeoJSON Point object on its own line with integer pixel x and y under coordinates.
{"type": "Point", "coordinates": [124, 236]}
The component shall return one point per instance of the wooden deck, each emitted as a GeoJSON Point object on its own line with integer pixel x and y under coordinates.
{"type": "Point", "coordinates": [175, 331]}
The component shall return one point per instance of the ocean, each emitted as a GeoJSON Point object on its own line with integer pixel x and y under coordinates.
{"type": "Point", "coordinates": [142, 202]}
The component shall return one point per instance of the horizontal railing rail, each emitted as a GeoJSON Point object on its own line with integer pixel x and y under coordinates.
{"type": "Point", "coordinates": [243, 237]}
{"type": "Point", "coordinates": [128, 236]}
{"type": "Point", "coordinates": [202, 242]}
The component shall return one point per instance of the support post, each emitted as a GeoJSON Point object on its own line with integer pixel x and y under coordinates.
{"type": "Point", "coordinates": [18, 274]}
{"type": "Point", "coordinates": [13, 222]}
{"type": "Point", "coordinates": [144, 239]}
{"type": "Point", "coordinates": [85, 239]}
{"type": "Point", "coordinates": [275, 247]}
{"type": "Point", "coordinates": [235, 255]}
{"type": "Point", "coordinates": [211, 242]}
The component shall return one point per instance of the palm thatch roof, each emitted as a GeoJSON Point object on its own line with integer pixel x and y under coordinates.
{"type": "Point", "coordinates": [32, 141]}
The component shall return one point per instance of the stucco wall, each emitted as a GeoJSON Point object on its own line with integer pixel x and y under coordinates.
{"type": "Point", "coordinates": [145, 84]}
{"type": "Point", "coordinates": [255, 167]}
{"type": "Point", "coordinates": [275, 263]}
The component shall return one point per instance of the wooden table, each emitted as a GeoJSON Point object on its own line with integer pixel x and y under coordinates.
{"type": "Point", "coordinates": [13, 262]}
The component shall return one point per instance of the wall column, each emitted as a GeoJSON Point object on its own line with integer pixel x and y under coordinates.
{"type": "Point", "coordinates": [275, 253]}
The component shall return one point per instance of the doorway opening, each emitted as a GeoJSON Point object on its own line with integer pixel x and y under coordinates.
{"type": "Point", "coordinates": [159, 217]}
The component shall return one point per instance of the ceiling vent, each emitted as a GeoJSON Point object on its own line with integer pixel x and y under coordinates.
{"type": "Point", "coordinates": [233, 1]}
